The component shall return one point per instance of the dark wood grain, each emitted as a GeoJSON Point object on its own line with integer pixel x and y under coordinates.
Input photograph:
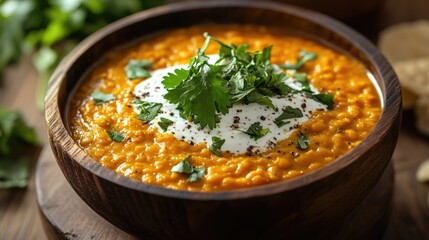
{"type": "Point", "coordinates": [281, 210]}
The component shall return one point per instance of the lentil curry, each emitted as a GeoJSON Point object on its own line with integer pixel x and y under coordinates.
{"type": "Point", "coordinates": [109, 131]}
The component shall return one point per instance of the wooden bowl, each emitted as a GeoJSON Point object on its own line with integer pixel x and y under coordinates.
{"type": "Point", "coordinates": [312, 206]}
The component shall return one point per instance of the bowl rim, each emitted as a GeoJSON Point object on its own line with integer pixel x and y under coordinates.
{"type": "Point", "coordinates": [70, 147]}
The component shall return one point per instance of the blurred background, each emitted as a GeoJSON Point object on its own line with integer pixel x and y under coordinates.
{"type": "Point", "coordinates": [36, 34]}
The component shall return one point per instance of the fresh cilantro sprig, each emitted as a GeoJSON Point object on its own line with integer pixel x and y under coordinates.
{"type": "Point", "coordinates": [256, 131]}
{"type": "Point", "coordinates": [101, 97]}
{"type": "Point", "coordinates": [148, 110]}
{"type": "Point", "coordinates": [216, 146]}
{"type": "Point", "coordinates": [164, 123]}
{"type": "Point", "coordinates": [303, 141]}
{"type": "Point", "coordinates": [288, 113]}
{"type": "Point", "coordinates": [15, 138]}
{"type": "Point", "coordinates": [200, 92]}
{"type": "Point", "coordinates": [304, 57]}
{"type": "Point", "coordinates": [206, 90]}
{"type": "Point", "coordinates": [115, 135]}
{"type": "Point", "coordinates": [138, 69]}
{"type": "Point", "coordinates": [186, 167]}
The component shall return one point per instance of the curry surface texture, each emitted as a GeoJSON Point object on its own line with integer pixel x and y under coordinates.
{"type": "Point", "coordinates": [148, 155]}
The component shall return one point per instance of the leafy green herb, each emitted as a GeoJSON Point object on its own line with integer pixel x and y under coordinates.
{"type": "Point", "coordinates": [288, 113]}
{"type": "Point", "coordinates": [14, 132]}
{"type": "Point", "coordinates": [201, 93]}
{"type": "Point", "coordinates": [14, 172]}
{"type": "Point", "coordinates": [185, 167]}
{"type": "Point", "coordinates": [115, 135]}
{"type": "Point", "coordinates": [148, 110]}
{"type": "Point", "coordinates": [164, 123]}
{"type": "Point", "coordinates": [302, 78]}
{"type": "Point", "coordinates": [216, 146]}
{"type": "Point", "coordinates": [304, 57]}
{"type": "Point", "coordinates": [138, 69]}
{"type": "Point", "coordinates": [255, 131]}
{"type": "Point", "coordinates": [325, 98]}
{"type": "Point", "coordinates": [303, 141]}
{"type": "Point", "coordinates": [55, 26]}
{"type": "Point", "coordinates": [207, 90]}
{"type": "Point", "coordinates": [197, 174]}
{"type": "Point", "coordinates": [14, 136]}
{"type": "Point", "coordinates": [100, 97]}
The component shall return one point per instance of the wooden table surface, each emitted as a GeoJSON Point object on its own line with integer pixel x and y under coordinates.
{"type": "Point", "coordinates": [19, 214]}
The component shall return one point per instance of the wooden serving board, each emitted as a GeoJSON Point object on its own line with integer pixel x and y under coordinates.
{"type": "Point", "coordinates": [66, 216]}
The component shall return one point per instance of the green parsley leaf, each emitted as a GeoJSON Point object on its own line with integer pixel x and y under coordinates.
{"type": "Point", "coordinates": [115, 135]}
{"type": "Point", "coordinates": [303, 141]}
{"type": "Point", "coordinates": [164, 123]}
{"type": "Point", "coordinates": [197, 174]}
{"type": "Point", "coordinates": [288, 113]}
{"type": "Point", "coordinates": [255, 131]}
{"type": "Point", "coordinates": [172, 80]}
{"type": "Point", "coordinates": [302, 78]}
{"type": "Point", "coordinates": [148, 110]}
{"type": "Point", "coordinates": [138, 69]}
{"type": "Point", "coordinates": [304, 57]}
{"type": "Point", "coordinates": [14, 133]}
{"type": "Point", "coordinates": [14, 172]}
{"type": "Point", "coordinates": [325, 98]}
{"type": "Point", "coordinates": [100, 97]}
{"type": "Point", "coordinates": [202, 94]}
{"type": "Point", "coordinates": [185, 166]}
{"type": "Point", "coordinates": [216, 146]}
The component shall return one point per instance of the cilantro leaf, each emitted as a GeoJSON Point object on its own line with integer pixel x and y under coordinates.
{"type": "Point", "coordinates": [303, 141]}
{"type": "Point", "coordinates": [304, 57]}
{"type": "Point", "coordinates": [115, 135]}
{"type": "Point", "coordinates": [185, 167]}
{"type": "Point", "coordinates": [288, 113]}
{"type": "Point", "coordinates": [255, 131]}
{"type": "Point", "coordinates": [216, 146]}
{"type": "Point", "coordinates": [14, 132]}
{"type": "Point", "coordinates": [138, 69]}
{"type": "Point", "coordinates": [325, 98]}
{"type": "Point", "coordinates": [202, 94]}
{"type": "Point", "coordinates": [172, 80]}
{"type": "Point", "coordinates": [14, 172]}
{"type": "Point", "coordinates": [302, 78]}
{"type": "Point", "coordinates": [197, 174]}
{"type": "Point", "coordinates": [148, 110]}
{"type": "Point", "coordinates": [164, 123]}
{"type": "Point", "coordinates": [100, 97]}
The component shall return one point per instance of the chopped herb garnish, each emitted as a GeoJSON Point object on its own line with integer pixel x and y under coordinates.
{"type": "Point", "coordinates": [115, 135]}
{"type": "Point", "coordinates": [138, 69]}
{"type": "Point", "coordinates": [304, 57]}
{"type": "Point", "coordinates": [302, 78]}
{"type": "Point", "coordinates": [288, 113]}
{"type": "Point", "coordinates": [303, 141]}
{"type": "Point", "coordinates": [148, 110]}
{"type": "Point", "coordinates": [100, 97]}
{"type": "Point", "coordinates": [216, 146]}
{"type": "Point", "coordinates": [206, 90]}
{"type": "Point", "coordinates": [185, 167]}
{"type": "Point", "coordinates": [197, 174]}
{"type": "Point", "coordinates": [255, 131]}
{"type": "Point", "coordinates": [164, 123]}
{"type": "Point", "coordinates": [325, 98]}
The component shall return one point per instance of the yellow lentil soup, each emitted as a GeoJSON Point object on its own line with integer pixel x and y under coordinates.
{"type": "Point", "coordinates": [148, 155]}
